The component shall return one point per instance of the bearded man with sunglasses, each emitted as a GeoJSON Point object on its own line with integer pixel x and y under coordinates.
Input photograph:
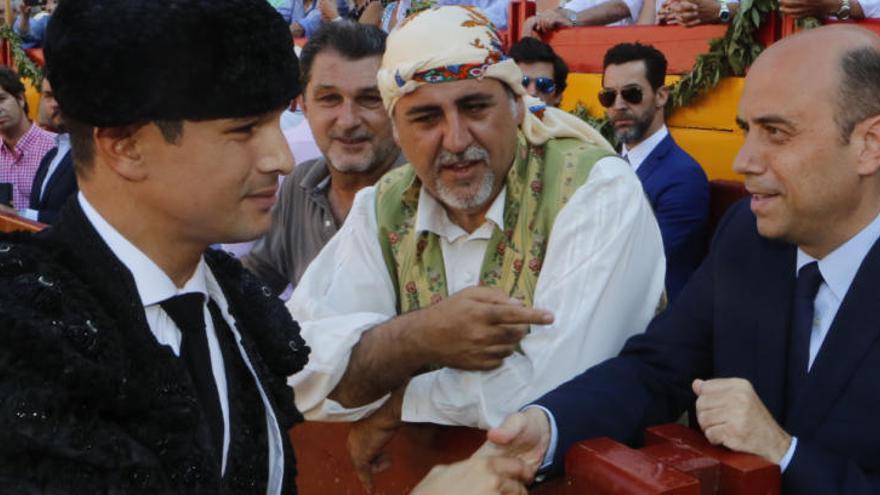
{"type": "Point", "coordinates": [634, 94]}
{"type": "Point", "coordinates": [433, 286]}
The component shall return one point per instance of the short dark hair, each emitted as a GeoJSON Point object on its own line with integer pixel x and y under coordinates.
{"type": "Point", "coordinates": [11, 83]}
{"type": "Point", "coordinates": [352, 40]}
{"type": "Point", "coordinates": [530, 50]}
{"type": "Point", "coordinates": [655, 62]}
{"type": "Point", "coordinates": [858, 89]}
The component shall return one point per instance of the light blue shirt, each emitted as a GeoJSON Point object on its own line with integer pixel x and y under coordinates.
{"type": "Point", "coordinates": [310, 19]}
{"type": "Point", "coordinates": [838, 270]}
{"type": "Point", "coordinates": [34, 37]}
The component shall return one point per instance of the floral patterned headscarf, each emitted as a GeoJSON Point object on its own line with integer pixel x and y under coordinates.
{"type": "Point", "coordinates": [452, 43]}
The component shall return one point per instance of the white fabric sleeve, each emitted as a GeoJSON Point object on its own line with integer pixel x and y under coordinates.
{"type": "Point", "coordinates": [871, 8]}
{"type": "Point", "coordinates": [345, 291]}
{"type": "Point", "coordinates": [602, 278]}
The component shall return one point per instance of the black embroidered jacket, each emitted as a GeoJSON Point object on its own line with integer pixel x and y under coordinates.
{"type": "Point", "coordinates": [91, 403]}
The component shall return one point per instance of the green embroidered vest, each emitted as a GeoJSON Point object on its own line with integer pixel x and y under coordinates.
{"type": "Point", "coordinates": [540, 182]}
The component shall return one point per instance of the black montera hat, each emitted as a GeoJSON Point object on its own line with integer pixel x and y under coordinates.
{"type": "Point", "coordinates": [119, 62]}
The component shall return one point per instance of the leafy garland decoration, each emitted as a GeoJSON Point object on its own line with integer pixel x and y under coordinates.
{"type": "Point", "coordinates": [25, 67]}
{"type": "Point", "coordinates": [727, 56]}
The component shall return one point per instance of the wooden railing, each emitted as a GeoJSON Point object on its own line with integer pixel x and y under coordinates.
{"type": "Point", "coordinates": [13, 223]}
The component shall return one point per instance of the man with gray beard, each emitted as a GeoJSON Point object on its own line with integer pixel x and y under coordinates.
{"type": "Point", "coordinates": [634, 94]}
{"type": "Point", "coordinates": [353, 132]}
{"type": "Point", "coordinates": [514, 250]}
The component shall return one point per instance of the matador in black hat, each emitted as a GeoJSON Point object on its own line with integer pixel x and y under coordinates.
{"type": "Point", "coordinates": [134, 358]}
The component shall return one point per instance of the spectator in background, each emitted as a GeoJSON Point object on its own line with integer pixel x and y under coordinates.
{"type": "Point", "coordinates": [344, 109]}
{"type": "Point", "coordinates": [634, 94]}
{"type": "Point", "coordinates": [31, 24]}
{"type": "Point", "coordinates": [583, 13]}
{"type": "Point", "coordinates": [544, 72]}
{"type": "Point", "coordinates": [55, 180]}
{"type": "Point", "coordinates": [837, 9]}
{"type": "Point", "coordinates": [24, 143]}
{"type": "Point", "coordinates": [302, 16]}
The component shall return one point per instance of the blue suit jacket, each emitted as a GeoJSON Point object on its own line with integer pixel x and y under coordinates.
{"type": "Point", "coordinates": [679, 194]}
{"type": "Point", "coordinates": [732, 320]}
{"type": "Point", "coordinates": [62, 185]}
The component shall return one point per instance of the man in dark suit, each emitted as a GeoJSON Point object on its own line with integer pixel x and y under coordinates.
{"type": "Point", "coordinates": [777, 335]}
{"type": "Point", "coordinates": [55, 181]}
{"type": "Point", "coordinates": [635, 95]}
{"type": "Point", "coordinates": [135, 359]}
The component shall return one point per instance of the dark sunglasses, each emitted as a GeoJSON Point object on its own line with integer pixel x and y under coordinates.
{"type": "Point", "coordinates": [630, 94]}
{"type": "Point", "coordinates": [543, 84]}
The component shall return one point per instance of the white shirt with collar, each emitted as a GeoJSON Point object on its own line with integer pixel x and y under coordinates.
{"type": "Point", "coordinates": [602, 277]}
{"type": "Point", "coordinates": [838, 271]}
{"type": "Point", "coordinates": [154, 286]}
{"type": "Point", "coordinates": [638, 153]}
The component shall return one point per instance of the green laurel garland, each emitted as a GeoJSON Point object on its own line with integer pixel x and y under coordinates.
{"type": "Point", "coordinates": [727, 56]}
{"type": "Point", "coordinates": [25, 67]}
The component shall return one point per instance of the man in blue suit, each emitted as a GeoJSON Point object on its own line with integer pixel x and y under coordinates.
{"type": "Point", "coordinates": [55, 181]}
{"type": "Point", "coordinates": [776, 338]}
{"type": "Point", "coordinates": [634, 94]}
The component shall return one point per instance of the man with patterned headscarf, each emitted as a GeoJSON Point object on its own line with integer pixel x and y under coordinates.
{"type": "Point", "coordinates": [432, 288]}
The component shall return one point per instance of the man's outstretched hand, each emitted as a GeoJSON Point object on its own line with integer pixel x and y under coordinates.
{"type": "Point", "coordinates": [477, 476]}
{"type": "Point", "coordinates": [523, 435]}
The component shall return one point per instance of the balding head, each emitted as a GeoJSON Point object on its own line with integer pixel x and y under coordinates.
{"type": "Point", "coordinates": [840, 61]}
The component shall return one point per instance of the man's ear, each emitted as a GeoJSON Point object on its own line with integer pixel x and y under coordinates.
{"type": "Point", "coordinates": [662, 96]}
{"type": "Point", "coordinates": [866, 136]}
{"type": "Point", "coordinates": [119, 148]}
{"type": "Point", "coordinates": [395, 133]}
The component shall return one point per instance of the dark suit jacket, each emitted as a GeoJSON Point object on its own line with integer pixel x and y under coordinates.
{"type": "Point", "coordinates": [90, 402]}
{"type": "Point", "coordinates": [732, 320]}
{"type": "Point", "coordinates": [679, 194]}
{"type": "Point", "coordinates": [61, 186]}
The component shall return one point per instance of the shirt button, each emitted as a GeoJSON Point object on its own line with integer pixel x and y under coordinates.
{"type": "Point", "coordinates": [327, 223]}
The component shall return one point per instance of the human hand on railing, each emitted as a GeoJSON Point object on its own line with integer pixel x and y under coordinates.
{"type": "Point", "coordinates": [664, 14]}
{"type": "Point", "coordinates": [690, 13]}
{"type": "Point", "coordinates": [809, 8]}
{"type": "Point", "coordinates": [477, 476]}
{"type": "Point", "coordinates": [731, 414]}
{"type": "Point", "coordinates": [523, 435]}
{"type": "Point", "coordinates": [8, 210]}
{"type": "Point", "coordinates": [328, 9]}
{"type": "Point", "coordinates": [368, 438]}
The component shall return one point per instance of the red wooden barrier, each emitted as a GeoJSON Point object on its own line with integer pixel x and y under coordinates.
{"type": "Point", "coordinates": [676, 461]}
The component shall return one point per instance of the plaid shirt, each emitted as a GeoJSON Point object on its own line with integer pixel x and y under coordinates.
{"type": "Point", "coordinates": [20, 165]}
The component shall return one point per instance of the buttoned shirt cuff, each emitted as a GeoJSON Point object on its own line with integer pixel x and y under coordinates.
{"type": "Point", "coordinates": [554, 437]}
{"type": "Point", "coordinates": [786, 459]}
{"type": "Point", "coordinates": [29, 214]}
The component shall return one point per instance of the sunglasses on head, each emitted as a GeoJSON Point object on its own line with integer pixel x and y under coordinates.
{"type": "Point", "coordinates": [545, 85]}
{"type": "Point", "coordinates": [630, 94]}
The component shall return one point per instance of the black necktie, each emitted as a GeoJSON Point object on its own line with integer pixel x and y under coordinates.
{"type": "Point", "coordinates": [187, 311]}
{"type": "Point", "coordinates": [808, 281]}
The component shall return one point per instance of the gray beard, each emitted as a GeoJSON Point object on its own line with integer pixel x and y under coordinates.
{"type": "Point", "coordinates": [456, 202]}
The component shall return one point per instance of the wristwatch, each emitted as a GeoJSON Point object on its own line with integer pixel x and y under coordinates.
{"type": "Point", "coordinates": [844, 10]}
{"type": "Point", "coordinates": [570, 15]}
{"type": "Point", "coordinates": [724, 11]}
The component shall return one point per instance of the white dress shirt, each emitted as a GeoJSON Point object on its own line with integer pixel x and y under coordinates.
{"type": "Point", "coordinates": [638, 153]}
{"type": "Point", "coordinates": [602, 277]}
{"type": "Point", "coordinates": [153, 287]}
{"type": "Point", "coordinates": [838, 270]}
